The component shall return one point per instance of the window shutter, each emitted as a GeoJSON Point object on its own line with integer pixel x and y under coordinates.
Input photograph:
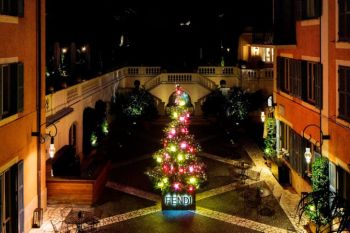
{"type": "Point", "coordinates": [298, 82]}
{"type": "Point", "coordinates": [318, 8]}
{"type": "Point", "coordinates": [20, 192]}
{"type": "Point", "coordinates": [318, 85]}
{"type": "Point", "coordinates": [291, 74]}
{"type": "Point", "coordinates": [13, 93]}
{"type": "Point", "coordinates": [303, 67]}
{"type": "Point", "coordinates": [342, 19]}
{"type": "Point", "coordinates": [298, 9]}
{"type": "Point", "coordinates": [20, 8]}
{"type": "Point", "coordinates": [1, 94]}
{"type": "Point", "coordinates": [280, 73]}
{"type": "Point", "coordinates": [20, 87]}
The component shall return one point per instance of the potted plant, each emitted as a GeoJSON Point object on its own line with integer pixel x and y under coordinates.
{"type": "Point", "coordinates": [270, 140]}
{"type": "Point", "coordinates": [316, 205]}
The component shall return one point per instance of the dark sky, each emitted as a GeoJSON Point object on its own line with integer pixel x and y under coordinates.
{"type": "Point", "coordinates": [152, 32]}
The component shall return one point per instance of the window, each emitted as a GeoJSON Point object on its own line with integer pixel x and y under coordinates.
{"type": "Point", "coordinates": [302, 79]}
{"type": "Point", "coordinates": [285, 136]}
{"type": "Point", "coordinates": [11, 89]}
{"type": "Point", "coordinates": [343, 179]}
{"type": "Point", "coordinates": [268, 55]}
{"type": "Point", "coordinates": [344, 92]}
{"type": "Point", "coordinates": [344, 20]}
{"type": "Point", "coordinates": [12, 7]}
{"type": "Point", "coordinates": [308, 9]}
{"type": "Point", "coordinates": [296, 153]}
{"type": "Point", "coordinates": [11, 199]}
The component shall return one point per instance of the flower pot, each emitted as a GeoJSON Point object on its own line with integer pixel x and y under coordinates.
{"type": "Point", "coordinates": [313, 227]}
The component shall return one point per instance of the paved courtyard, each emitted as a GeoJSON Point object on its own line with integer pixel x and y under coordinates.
{"type": "Point", "coordinates": [130, 204]}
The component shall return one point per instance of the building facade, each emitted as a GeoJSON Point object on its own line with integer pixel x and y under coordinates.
{"type": "Point", "coordinates": [312, 93]}
{"type": "Point", "coordinates": [22, 56]}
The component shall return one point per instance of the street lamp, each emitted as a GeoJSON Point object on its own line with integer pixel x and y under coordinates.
{"type": "Point", "coordinates": [307, 153]}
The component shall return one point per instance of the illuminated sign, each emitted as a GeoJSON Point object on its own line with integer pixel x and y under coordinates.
{"type": "Point", "coordinates": [178, 201]}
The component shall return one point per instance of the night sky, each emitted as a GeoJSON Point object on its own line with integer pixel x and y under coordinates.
{"type": "Point", "coordinates": [153, 34]}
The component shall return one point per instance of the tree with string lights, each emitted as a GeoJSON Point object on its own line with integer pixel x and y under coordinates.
{"type": "Point", "coordinates": [178, 173]}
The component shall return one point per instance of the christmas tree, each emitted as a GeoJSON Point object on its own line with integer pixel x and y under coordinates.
{"type": "Point", "coordinates": [178, 170]}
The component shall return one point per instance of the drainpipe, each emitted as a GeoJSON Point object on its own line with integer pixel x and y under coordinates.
{"type": "Point", "coordinates": [321, 106]}
{"type": "Point", "coordinates": [38, 98]}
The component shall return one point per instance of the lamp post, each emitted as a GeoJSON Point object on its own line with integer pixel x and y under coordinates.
{"type": "Point", "coordinates": [308, 154]}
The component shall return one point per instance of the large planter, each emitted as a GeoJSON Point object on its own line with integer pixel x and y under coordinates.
{"type": "Point", "coordinates": [62, 190]}
{"type": "Point", "coordinates": [280, 171]}
{"type": "Point", "coordinates": [178, 201]}
{"type": "Point", "coordinates": [313, 227]}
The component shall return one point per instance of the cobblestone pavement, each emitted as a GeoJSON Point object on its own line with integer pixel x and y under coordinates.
{"type": "Point", "coordinates": [288, 201]}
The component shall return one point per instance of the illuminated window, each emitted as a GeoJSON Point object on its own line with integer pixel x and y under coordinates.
{"type": "Point", "coordinates": [255, 51]}
{"type": "Point", "coordinates": [267, 55]}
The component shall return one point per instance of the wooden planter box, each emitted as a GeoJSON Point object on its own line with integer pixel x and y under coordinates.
{"type": "Point", "coordinates": [77, 191]}
{"type": "Point", "coordinates": [179, 201]}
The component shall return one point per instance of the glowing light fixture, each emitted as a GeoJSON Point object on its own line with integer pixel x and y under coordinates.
{"type": "Point", "coordinates": [307, 155]}
{"type": "Point", "coordinates": [52, 148]}
{"type": "Point", "coordinates": [262, 116]}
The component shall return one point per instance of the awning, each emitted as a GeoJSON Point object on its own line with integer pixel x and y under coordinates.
{"type": "Point", "coordinates": [58, 115]}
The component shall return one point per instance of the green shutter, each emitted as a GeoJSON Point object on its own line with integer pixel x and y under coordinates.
{"type": "Point", "coordinates": [318, 85]}
{"type": "Point", "coordinates": [20, 87]}
{"type": "Point", "coordinates": [20, 197]}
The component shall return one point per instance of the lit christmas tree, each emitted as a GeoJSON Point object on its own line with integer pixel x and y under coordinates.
{"type": "Point", "coordinates": [178, 173]}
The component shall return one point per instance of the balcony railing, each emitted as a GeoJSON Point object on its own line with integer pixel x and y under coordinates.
{"type": "Point", "coordinates": [213, 70]}
{"type": "Point", "coordinates": [251, 74]}
{"type": "Point", "coordinates": [135, 71]}
{"type": "Point", "coordinates": [180, 78]}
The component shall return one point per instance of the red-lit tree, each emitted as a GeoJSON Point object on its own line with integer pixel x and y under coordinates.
{"type": "Point", "coordinates": [178, 170]}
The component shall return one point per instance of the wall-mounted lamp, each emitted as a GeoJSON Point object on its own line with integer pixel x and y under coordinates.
{"type": "Point", "coordinates": [262, 116]}
{"type": "Point", "coordinates": [307, 153]}
{"type": "Point", "coordinates": [270, 102]}
{"type": "Point", "coordinates": [52, 136]}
